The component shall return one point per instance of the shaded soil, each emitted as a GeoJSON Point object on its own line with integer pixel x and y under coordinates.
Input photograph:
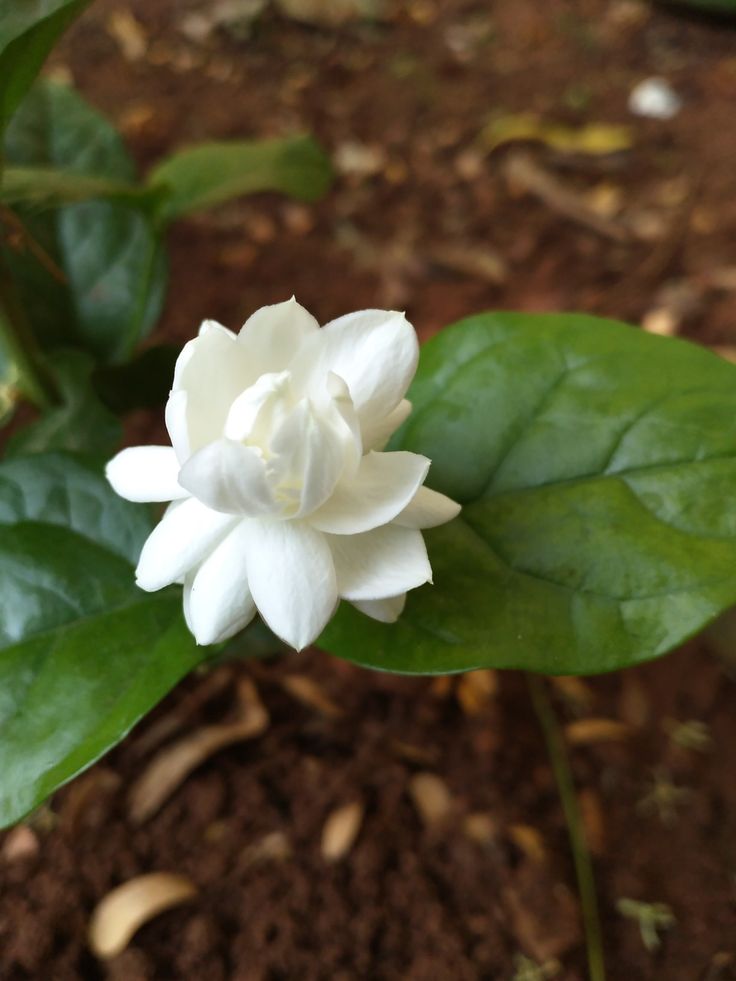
{"type": "Point", "coordinates": [458, 895]}
{"type": "Point", "coordinates": [422, 217]}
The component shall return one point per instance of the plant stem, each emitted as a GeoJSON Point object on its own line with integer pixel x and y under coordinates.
{"type": "Point", "coordinates": [20, 347]}
{"type": "Point", "coordinates": [581, 856]}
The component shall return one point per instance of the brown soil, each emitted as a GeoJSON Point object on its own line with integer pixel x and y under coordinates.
{"type": "Point", "coordinates": [490, 878]}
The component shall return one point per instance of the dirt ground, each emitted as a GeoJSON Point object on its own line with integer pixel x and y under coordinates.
{"type": "Point", "coordinates": [455, 864]}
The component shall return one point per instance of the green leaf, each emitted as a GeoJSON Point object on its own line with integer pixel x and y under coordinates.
{"type": "Point", "coordinates": [80, 422]}
{"type": "Point", "coordinates": [69, 491]}
{"type": "Point", "coordinates": [70, 694]}
{"type": "Point", "coordinates": [83, 652]}
{"type": "Point", "coordinates": [211, 173]}
{"type": "Point", "coordinates": [66, 546]}
{"type": "Point", "coordinates": [50, 576]}
{"type": "Point", "coordinates": [93, 273]}
{"type": "Point", "coordinates": [28, 31]}
{"type": "Point", "coordinates": [596, 466]}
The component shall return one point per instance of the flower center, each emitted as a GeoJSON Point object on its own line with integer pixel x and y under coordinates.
{"type": "Point", "coordinates": [260, 411]}
{"type": "Point", "coordinates": [305, 443]}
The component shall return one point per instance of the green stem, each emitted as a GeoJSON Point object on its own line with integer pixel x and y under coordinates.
{"type": "Point", "coordinates": [20, 346]}
{"type": "Point", "coordinates": [568, 796]}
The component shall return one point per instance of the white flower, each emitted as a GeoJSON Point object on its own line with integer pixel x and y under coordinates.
{"type": "Point", "coordinates": [282, 499]}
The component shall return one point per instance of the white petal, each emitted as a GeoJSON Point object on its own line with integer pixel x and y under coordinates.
{"type": "Point", "coordinates": [427, 509]}
{"type": "Point", "coordinates": [183, 538]}
{"type": "Point", "coordinates": [146, 473]}
{"type": "Point", "coordinates": [375, 351]}
{"type": "Point", "coordinates": [213, 370]}
{"type": "Point", "coordinates": [187, 600]}
{"type": "Point", "coordinates": [292, 579]}
{"type": "Point", "coordinates": [185, 356]}
{"type": "Point", "coordinates": [337, 406]}
{"type": "Point", "coordinates": [260, 409]}
{"type": "Point", "coordinates": [379, 563]}
{"type": "Point", "coordinates": [176, 423]}
{"type": "Point", "coordinates": [272, 335]}
{"type": "Point", "coordinates": [208, 325]}
{"type": "Point", "coordinates": [230, 477]}
{"type": "Point", "coordinates": [386, 610]}
{"type": "Point", "coordinates": [382, 487]}
{"type": "Point", "coordinates": [309, 458]}
{"type": "Point", "coordinates": [380, 430]}
{"type": "Point", "coordinates": [219, 602]}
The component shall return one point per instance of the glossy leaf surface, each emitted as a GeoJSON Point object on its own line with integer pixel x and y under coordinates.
{"type": "Point", "coordinates": [28, 31]}
{"type": "Point", "coordinates": [69, 491]}
{"type": "Point", "coordinates": [68, 695]}
{"type": "Point", "coordinates": [212, 173]}
{"type": "Point", "coordinates": [83, 652]}
{"type": "Point", "coordinates": [92, 273]}
{"type": "Point", "coordinates": [596, 466]}
{"type": "Point", "coordinates": [78, 422]}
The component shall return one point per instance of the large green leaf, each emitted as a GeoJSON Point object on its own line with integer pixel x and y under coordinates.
{"type": "Point", "coordinates": [68, 695]}
{"type": "Point", "coordinates": [596, 465]}
{"type": "Point", "coordinates": [50, 576]}
{"type": "Point", "coordinates": [83, 652]}
{"type": "Point", "coordinates": [78, 422]}
{"type": "Point", "coordinates": [69, 491]}
{"type": "Point", "coordinates": [209, 174]}
{"type": "Point", "coordinates": [66, 544]}
{"type": "Point", "coordinates": [28, 30]}
{"type": "Point", "coordinates": [107, 289]}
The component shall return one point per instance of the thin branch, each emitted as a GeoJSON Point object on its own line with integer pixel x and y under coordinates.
{"type": "Point", "coordinates": [579, 847]}
{"type": "Point", "coordinates": [20, 238]}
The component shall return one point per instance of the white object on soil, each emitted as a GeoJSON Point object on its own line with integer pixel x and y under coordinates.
{"type": "Point", "coordinates": [654, 98]}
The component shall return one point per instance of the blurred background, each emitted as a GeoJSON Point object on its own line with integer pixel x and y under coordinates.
{"type": "Point", "coordinates": [575, 155]}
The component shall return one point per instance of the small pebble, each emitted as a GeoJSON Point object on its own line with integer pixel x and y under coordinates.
{"type": "Point", "coordinates": [654, 98]}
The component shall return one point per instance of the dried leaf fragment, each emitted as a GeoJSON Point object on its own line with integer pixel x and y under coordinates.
{"type": "Point", "coordinates": [431, 797]}
{"type": "Point", "coordinates": [123, 911]}
{"type": "Point", "coordinates": [584, 732]}
{"type": "Point", "coordinates": [480, 828]}
{"type": "Point", "coordinates": [20, 843]}
{"type": "Point", "coordinates": [525, 174]}
{"type": "Point", "coordinates": [476, 690]}
{"type": "Point", "coordinates": [309, 693]}
{"type": "Point", "coordinates": [341, 830]}
{"type": "Point", "coordinates": [273, 847]}
{"type": "Point", "coordinates": [477, 261]}
{"type": "Point", "coordinates": [129, 34]}
{"type": "Point", "coordinates": [594, 139]}
{"type": "Point", "coordinates": [660, 321]}
{"type": "Point", "coordinates": [528, 840]}
{"type": "Point", "coordinates": [441, 686]}
{"type": "Point", "coordinates": [575, 691]}
{"type": "Point", "coordinates": [174, 763]}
